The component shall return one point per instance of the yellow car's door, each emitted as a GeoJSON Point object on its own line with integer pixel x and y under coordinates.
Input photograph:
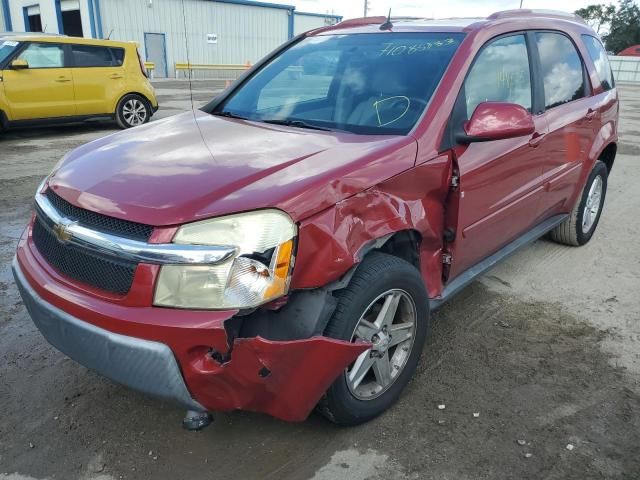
{"type": "Point", "coordinates": [39, 85]}
{"type": "Point", "coordinates": [99, 78]}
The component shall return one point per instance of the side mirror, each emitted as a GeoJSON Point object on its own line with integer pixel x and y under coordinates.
{"type": "Point", "coordinates": [497, 121]}
{"type": "Point", "coordinates": [19, 64]}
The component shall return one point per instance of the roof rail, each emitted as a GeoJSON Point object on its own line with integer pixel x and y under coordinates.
{"type": "Point", "coordinates": [525, 12]}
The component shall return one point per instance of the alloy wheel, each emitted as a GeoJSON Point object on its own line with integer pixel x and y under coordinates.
{"type": "Point", "coordinates": [134, 112]}
{"type": "Point", "coordinates": [389, 324]}
{"type": "Point", "coordinates": [592, 205]}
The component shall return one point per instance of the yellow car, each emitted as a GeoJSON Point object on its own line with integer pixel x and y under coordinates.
{"type": "Point", "coordinates": [46, 78]}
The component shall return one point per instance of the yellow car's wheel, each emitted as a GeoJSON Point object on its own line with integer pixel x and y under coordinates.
{"type": "Point", "coordinates": [133, 110]}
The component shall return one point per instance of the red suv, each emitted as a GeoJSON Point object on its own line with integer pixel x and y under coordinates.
{"type": "Point", "coordinates": [281, 248]}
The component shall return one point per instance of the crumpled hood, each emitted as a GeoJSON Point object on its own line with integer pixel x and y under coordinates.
{"type": "Point", "coordinates": [190, 167]}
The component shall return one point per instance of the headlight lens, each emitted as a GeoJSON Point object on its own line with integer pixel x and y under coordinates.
{"type": "Point", "coordinates": [259, 273]}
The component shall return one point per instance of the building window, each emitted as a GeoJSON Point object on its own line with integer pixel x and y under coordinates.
{"type": "Point", "coordinates": [71, 19]}
{"type": "Point", "coordinates": [32, 19]}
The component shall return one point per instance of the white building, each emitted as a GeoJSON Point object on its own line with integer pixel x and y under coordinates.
{"type": "Point", "coordinates": [218, 31]}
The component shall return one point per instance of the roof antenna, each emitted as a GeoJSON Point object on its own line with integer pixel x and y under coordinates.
{"type": "Point", "coordinates": [387, 25]}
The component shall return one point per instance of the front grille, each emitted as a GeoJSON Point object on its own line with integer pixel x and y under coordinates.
{"type": "Point", "coordinates": [97, 221]}
{"type": "Point", "coordinates": [105, 274]}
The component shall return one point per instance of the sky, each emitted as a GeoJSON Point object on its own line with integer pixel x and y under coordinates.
{"type": "Point", "coordinates": [432, 8]}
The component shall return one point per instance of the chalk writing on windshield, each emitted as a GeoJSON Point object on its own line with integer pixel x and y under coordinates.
{"type": "Point", "coordinates": [395, 49]}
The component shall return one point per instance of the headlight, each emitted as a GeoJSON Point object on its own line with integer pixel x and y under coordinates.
{"type": "Point", "coordinates": [259, 272]}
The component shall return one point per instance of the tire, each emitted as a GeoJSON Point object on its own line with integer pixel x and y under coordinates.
{"type": "Point", "coordinates": [382, 277]}
{"type": "Point", "coordinates": [133, 110]}
{"type": "Point", "coordinates": [578, 229]}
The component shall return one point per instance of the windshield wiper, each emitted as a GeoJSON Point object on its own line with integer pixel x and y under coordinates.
{"type": "Point", "coordinates": [229, 115]}
{"type": "Point", "coordinates": [296, 123]}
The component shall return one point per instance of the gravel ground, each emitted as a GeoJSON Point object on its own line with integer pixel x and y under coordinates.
{"type": "Point", "coordinates": [545, 348]}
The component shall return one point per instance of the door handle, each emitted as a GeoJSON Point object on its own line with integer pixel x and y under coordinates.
{"type": "Point", "coordinates": [591, 114]}
{"type": "Point", "coordinates": [116, 76]}
{"type": "Point", "coordinates": [63, 79]}
{"type": "Point", "coordinates": [536, 139]}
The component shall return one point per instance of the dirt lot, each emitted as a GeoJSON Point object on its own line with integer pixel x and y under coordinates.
{"type": "Point", "coordinates": [546, 348]}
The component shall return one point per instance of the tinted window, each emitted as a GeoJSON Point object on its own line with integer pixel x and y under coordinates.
{"type": "Point", "coordinates": [43, 55]}
{"type": "Point", "coordinates": [88, 56]}
{"type": "Point", "coordinates": [562, 70]}
{"type": "Point", "coordinates": [118, 56]}
{"type": "Point", "coordinates": [369, 84]}
{"type": "Point", "coordinates": [500, 73]}
{"type": "Point", "coordinates": [600, 60]}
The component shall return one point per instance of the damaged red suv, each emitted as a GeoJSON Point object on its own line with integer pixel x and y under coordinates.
{"type": "Point", "coordinates": [281, 248]}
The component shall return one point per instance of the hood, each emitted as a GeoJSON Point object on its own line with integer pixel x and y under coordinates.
{"type": "Point", "coordinates": [195, 166]}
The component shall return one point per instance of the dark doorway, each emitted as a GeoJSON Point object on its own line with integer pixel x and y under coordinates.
{"type": "Point", "coordinates": [35, 23]}
{"type": "Point", "coordinates": [72, 23]}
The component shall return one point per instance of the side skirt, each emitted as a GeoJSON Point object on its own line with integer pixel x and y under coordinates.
{"type": "Point", "coordinates": [57, 120]}
{"type": "Point", "coordinates": [468, 276]}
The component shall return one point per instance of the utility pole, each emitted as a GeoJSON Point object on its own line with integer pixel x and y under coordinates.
{"type": "Point", "coordinates": [521, 3]}
{"type": "Point", "coordinates": [366, 7]}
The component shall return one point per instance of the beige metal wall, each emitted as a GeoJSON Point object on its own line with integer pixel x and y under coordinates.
{"type": "Point", "coordinates": [303, 22]}
{"type": "Point", "coordinates": [244, 33]}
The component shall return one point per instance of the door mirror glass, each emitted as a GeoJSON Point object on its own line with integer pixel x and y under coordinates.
{"type": "Point", "coordinates": [19, 64]}
{"type": "Point", "coordinates": [497, 121]}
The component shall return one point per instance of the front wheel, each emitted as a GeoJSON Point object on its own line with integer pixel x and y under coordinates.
{"type": "Point", "coordinates": [133, 110]}
{"type": "Point", "coordinates": [581, 224]}
{"type": "Point", "coordinates": [386, 305]}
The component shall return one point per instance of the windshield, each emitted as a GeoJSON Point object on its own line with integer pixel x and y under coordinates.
{"type": "Point", "coordinates": [6, 48]}
{"type": "Point", "coordinates": [369, 83]}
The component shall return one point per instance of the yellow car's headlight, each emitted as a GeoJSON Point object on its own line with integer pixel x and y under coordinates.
{"type": "Point", "coordinates": [258, 273]}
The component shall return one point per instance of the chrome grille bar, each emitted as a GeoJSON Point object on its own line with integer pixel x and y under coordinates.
{"type": "Point", "coordinates": [69, 231]}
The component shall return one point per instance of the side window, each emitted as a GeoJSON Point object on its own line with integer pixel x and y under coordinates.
{"type": "Point", "coordinates": [600, 60]}
{"type": "Point", "coordinates": [43, 55]}
{"type": "Point", "coordinates": [561, 69]}
{"type": "Point", "coordinates": [500, 73]}
{"type": "Point", "coordinates": [310, 79]}
{"type": "Point", "coordinates": [89, 56]}
{"type": "Point", "coordinates": [118, 56]}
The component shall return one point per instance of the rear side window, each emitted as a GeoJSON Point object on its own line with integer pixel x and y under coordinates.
{"type": "Point", "coordinates": [500, 73]}
{"type": "Point", "coordinates": [562, 70]}
{"type": "Point", "coordinates": [600, 60]}
{"type": "Point", "coordinates": [118, 56]}
{"type": "Point", "coordinates": [90, 56]}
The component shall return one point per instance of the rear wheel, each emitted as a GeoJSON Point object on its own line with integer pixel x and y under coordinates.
{"type": "Point", "coordinates": [133, 110]}
{"type": "Point", "coordinates": [386, 305]}
{"type": "Point", "coordinates": [581, 224]}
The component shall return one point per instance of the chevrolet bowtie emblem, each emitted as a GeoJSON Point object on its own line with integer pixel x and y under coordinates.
{"type": "Point", "coordinates": [61, 230]}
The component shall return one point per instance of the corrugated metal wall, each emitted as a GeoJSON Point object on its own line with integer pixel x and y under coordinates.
{"type": "Point", "coordinates": [304, 22]}
{"type": "Point", "coordinates": [244, 33]}
{"type": "Point", "coordinates": [625, 69]}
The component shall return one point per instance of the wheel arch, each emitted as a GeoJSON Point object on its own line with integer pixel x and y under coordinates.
{"type": "Point", "coordinates": [608, 155]}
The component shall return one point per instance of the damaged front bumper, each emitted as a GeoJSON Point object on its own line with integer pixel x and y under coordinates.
{"type": "Point", "coordinates": [182, 356]}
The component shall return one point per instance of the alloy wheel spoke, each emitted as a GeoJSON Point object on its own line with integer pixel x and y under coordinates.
{"type": "Point", "coordinates": [366, 330]}
{"type": "Point", "coordinates": [400, 333]}
{"type": "Point", "coordinates": [382, 370]}
{"type": "Point", "coordinates": [388, 310]}
{"type": "Point", "coordinates": [360, 368]}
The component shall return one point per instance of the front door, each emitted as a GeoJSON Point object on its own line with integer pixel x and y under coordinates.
{"type": "Point", "coordinates": [45, 88]}
{"type": "Point", "coordinates": [157, 53]}
{"type": "Point", "coordinates": [500, 181]}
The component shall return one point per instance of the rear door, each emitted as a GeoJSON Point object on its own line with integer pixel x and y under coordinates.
{"type": "Point", "coordinates": [99, 78]}
{"type": "Point", "coordinates": [500, 181]}
{"type": "Point", "coordinates": [45, 89]}
{"type": "Point", "coordinates": [570, 111]}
